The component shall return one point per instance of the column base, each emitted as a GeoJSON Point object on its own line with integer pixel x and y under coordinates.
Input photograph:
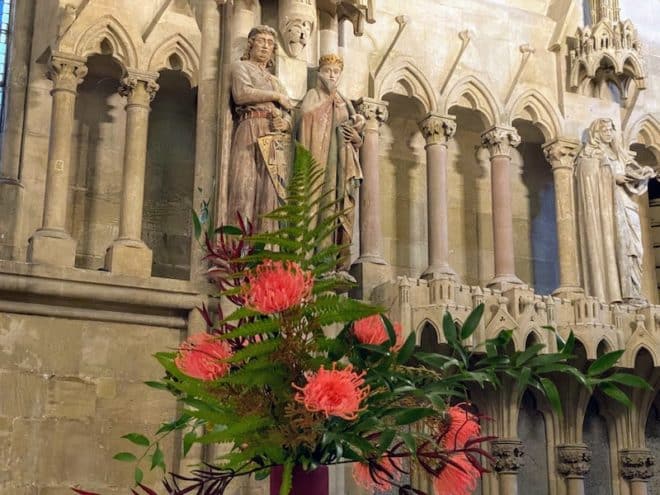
{"type": "Point", "coordinates": [368, 276]}
{"type": "Point", "coordinates": [375, 259]}
{"type": "Point", "coordinates": [568, 292]}
{"type": "Point", "coordinates": [129, 257]}
{"type": "Point", "coordinates": [52, 247]}
{"type": "Point", "coordinates": [444, 272]}
{"type": "Point", "coordinates": [505, 282]}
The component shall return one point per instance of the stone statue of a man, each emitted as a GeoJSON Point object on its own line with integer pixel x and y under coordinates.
{"type": "Point", "coordinates": [608, 184]}
{"type": "Point", "coordinates": [261, 109]}
{"type": "Point", "coordinates": [331, 129]}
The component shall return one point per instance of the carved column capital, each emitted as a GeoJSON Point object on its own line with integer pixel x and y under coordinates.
{"type": "Point", "coordinates": [437, 129]}
{"type": "Point", "coordinates": [375, 111]}
{"type": "Point", "coordinates": [574, 461]}
{"type": "Point", "coordinates": [561, 153]}
{"type": "Point", "coordinates": [636, 464]}
{"type": "Point", "coordinates": [66, 71]}
{"type": "Point", "coordinates": [500, 140]}
{"type": "Point", "coordinates": [508, 455]}
{"type": "Point", "coordinates": [139, 87]}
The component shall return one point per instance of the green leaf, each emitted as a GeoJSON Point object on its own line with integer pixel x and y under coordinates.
{"type": "Point", "coordinates": [472, 322]}
{"type": "Point", "coordinates": [188, 441]}
{"type": "Point", "coordinates": [137, 439]}
{"type": "Point", "coordinates": [407, 350]}
{"type": "Point", "coordinates": [197, 224]}
{"type": "Point", "coordinates": [409, 441]}
{"type": "Point", "coordinates": [449, 328]}
{"type": "Point", "coordinates": [551, 392]}
{"type": "Point", "coordinates": [616, 393]}
{"type": "Point", "coordinates": [138, 475]}
{"type": "Point", "coordinates": [527, 354]}
{"type": "Point", "coordinates": [630, 380]}
{"type": "Point", "coordinates": [412, 415]}
{"type": "Point", "coordinates": [604, 363]}
{"type": "Point", "coordinates": [157, 385]}
{"type": "Point", "coordinates": [228, 230]}
{"type": "Point", "coordinates": [435, 360]}
{"type": "Point", "coordinates": [125, 457]}
{"type": "Point", "coordinates": [158, 459]}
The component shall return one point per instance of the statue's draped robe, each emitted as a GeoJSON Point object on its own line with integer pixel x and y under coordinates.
{"type": "Point", "coordinates": [609, 227]}
{"type": "Point", "coordinates": [250, 188]}
{"type": "Point", "coordinates": [322, 114]}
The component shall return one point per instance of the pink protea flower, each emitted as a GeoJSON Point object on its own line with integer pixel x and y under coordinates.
{"type": "Point", "coordinates": [362, 475]}
{"type": "Point", "coordinates": [371, 330]}
{"type": "Point", "coordinates": [453, 480]}
{"type": "Point", "coordinates": [200, 357]}
{"type": "Point", "coordinates": [277, 286]}
{"type": "Point", "coordinates": [463, 426]}
{"type": "Point", "coordinates": [334, 392]}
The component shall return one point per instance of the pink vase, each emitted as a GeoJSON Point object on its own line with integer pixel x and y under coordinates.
{"type": "Point", "coordinates": [304, 482]}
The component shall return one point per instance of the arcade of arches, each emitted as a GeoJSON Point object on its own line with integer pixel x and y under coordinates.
{"type": "Point", "coordinates": [480, 117]}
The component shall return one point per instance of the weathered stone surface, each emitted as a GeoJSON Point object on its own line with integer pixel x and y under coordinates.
{"type": "Point", "coordinates": [71, 398]}
{"type": "Point", "coordinates": [23, 395]}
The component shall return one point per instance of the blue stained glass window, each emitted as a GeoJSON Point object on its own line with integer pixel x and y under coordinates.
{"type": "Point", "coordinates": [5, 14]}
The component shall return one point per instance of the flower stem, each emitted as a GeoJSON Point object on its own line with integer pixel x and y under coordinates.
{"type": "Point", "coordinates": [287, 478]}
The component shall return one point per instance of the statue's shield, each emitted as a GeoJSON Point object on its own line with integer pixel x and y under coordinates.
{"type": "Point", "coordinates": [275, 149]}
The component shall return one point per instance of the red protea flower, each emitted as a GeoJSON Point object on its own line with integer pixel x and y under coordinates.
{"type": "Point", "coordinates": [463, 426]}
{"type": "Point", "coordinates": [362, 474]}
{"type": "Point", "coordinates": [459, 479]}
{"type": "Point", "coordinates": [277, 286]}
{"type": "Point", "coordinates": [371, 330]}
{"type": "Point", "coordinates": [334, 392]}
{"type": "Point", "coordinates": [201, 357]}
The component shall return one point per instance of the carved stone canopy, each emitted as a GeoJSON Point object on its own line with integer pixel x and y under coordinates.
{"type": "Point", "coordinates": [574, 461]}
{"type": "Point", "coordinates": [607, 52]}
{"type": "Point", "coordinates": [357, 12]}
{"type": "Point", "coordinates": [636, 464]}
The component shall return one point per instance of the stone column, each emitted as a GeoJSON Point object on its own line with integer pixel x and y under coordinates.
{"type": "Point", "coordinates": [437, 131]}
{"type": "Point", "coordinates": [328, 33]}
{"type": "Point", "coordinates": [508, 456]}
{"type": "Point", "coordinates": [128, 255]}
{"type": "Point", "coordinates": [52, 244]}
{"type": "Point", "coordinates": [561, 154]}
{"type": "Point", "coordinates": [573, 463]}
{"type": "Point", "coordinates": [637, 468]}
{"type": "Point", "coordinates": [500, 141]}
{"type": "Point", "coordinates": [371, 236]}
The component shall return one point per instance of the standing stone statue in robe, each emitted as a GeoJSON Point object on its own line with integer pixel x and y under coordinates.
{"type": "Point", "coordinates": [331, 129]}
{"type": "Point", "coordinates": [259, 161]}
{"type": "Point", "coordinates": [608, 183]}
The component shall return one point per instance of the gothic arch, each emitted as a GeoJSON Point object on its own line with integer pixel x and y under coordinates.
{"type": "Point", "coordinates": [470, 92]}
{"type": "Point", "coordinates": [533, 106]}
{"type": "Point", "coordinates": [420, 328]}
{"type": "Point", "coordinates": [107, 30]}
{"type": "Point", "coordinates": [645, 131]}
{"type": "Point", "coordinates": [401, 76]}
{"type": "Point", "coordinates": [648, 348]}
{"type": "Point", "coordinates": [178, 46]}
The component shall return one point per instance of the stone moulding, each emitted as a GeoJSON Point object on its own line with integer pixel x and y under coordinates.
{"type": "Point", "coordinates": [98, 296]}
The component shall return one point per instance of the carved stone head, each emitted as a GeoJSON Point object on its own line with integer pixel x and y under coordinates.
{"type": "Point", "coordinates": [330, 70]}
{"type": "Point", "coordinates": [296, 32]}
{"type": "Point", "coordinates": [261, 45]}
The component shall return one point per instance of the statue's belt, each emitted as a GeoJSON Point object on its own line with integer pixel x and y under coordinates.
{"type": "Point", "coordinates": [255, 114]}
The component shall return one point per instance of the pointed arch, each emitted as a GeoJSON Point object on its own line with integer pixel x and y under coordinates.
{"type": "Point", "coordinates": [108, 31]}
{"type": "Point", "coordinates": [470, 92]}
{"type": "Point", "coordinates": [176, 45]}
{"type": "Point", "coordinates": [424, 324]}
{"type": "Point", "coordinates": [645, 131]}
{"type": "Point", "coordinates": [639, 348]}
{"type": "Point", "coordinates": [533, 106]}
{"type": "Point", "coordinates": [401, 76]}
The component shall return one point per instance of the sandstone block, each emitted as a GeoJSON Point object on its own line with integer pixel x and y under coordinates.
{"type": "Point", "coordinates": [71, 398]}
{"type": "Point", "coordinates": [129, 258]}
{"type": "Point", "coordinates": [23, 394]}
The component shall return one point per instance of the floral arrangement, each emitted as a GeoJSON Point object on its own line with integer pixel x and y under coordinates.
{"type": "Point", "coordinates": [272, 380]}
